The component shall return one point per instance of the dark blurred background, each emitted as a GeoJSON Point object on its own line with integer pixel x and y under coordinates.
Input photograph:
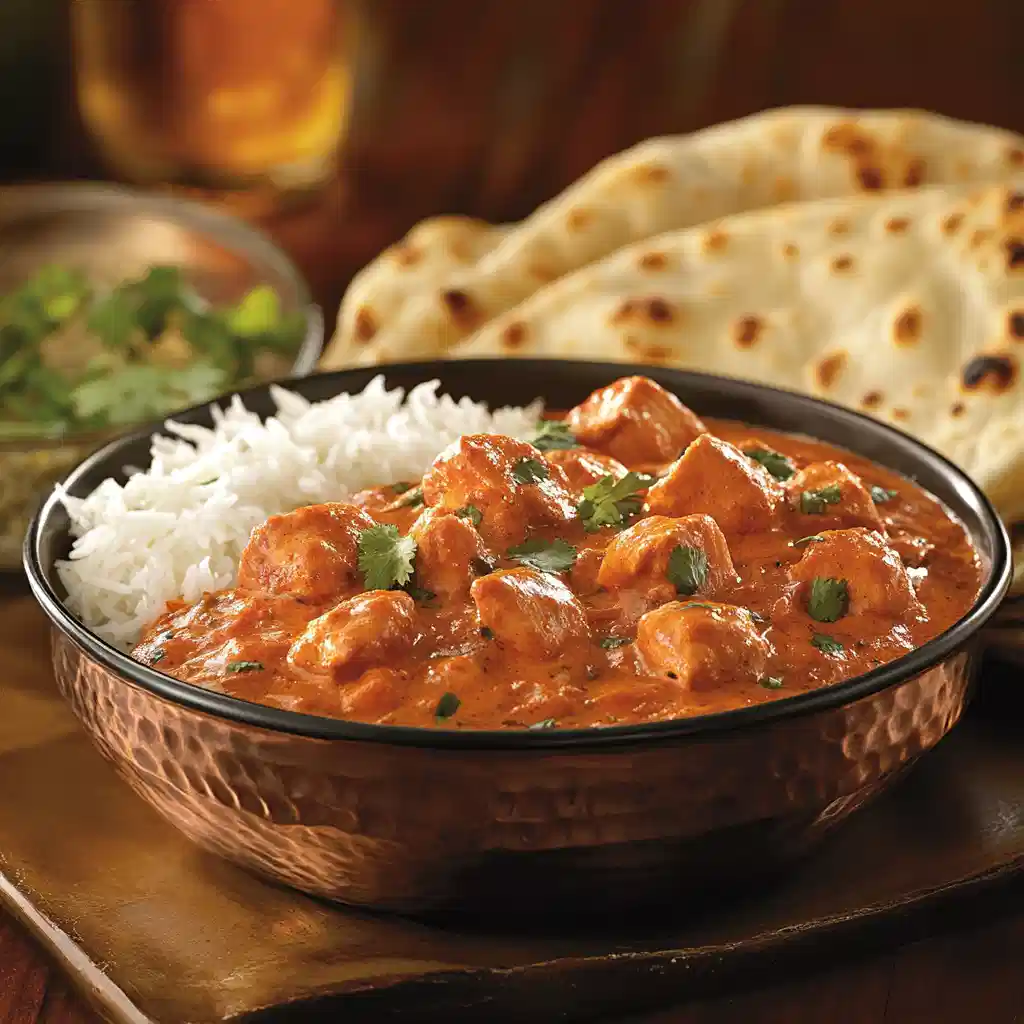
{"type": "Point", "coordinates": [483, 107]}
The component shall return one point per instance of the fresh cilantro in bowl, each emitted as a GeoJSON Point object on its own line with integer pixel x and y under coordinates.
{"type": "Point", "coordinates": [74, 358]}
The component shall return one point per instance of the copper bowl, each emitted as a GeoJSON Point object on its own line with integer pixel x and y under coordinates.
{"type": "Point", "coordinates": [420, 820]}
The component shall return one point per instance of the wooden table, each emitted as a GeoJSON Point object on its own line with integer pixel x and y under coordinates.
{"type": "Point", "coordinates": [971, 972]}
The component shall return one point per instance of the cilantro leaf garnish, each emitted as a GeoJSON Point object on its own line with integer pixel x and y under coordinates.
{"type": "Point", "coordinates": [814, 502]}
{"type": "Point", "coordinates": [470, 512]}
{"type": "Point", "coordinates": [609, 643]}
{"type": "Point", "coordinates": [800, 541]}
{"type": "Point", "coordinates": [401, 487]}
{"type": "Point", "coordinates": [385, 557]}
{"type": "Point", "coordinates": [827, 644]}
{"type": "Point", "coordinates": [699, 604]}
{"type": "Point", "coordinates": [412, 498]}
{"type": "Point", "coordinates": [610, 502]}
{"type": "Point", "coordinates": [687, 569]}
{"type": "Point", "coordinates": [775, 462]}
{"type": "Point", "coordinates": [529, 471]}
{"type": "Point", "coordinates": [880, 495]}
{"type": "Point", "coordinates": [828, 600]}
{"type": "Point", "coordinates": [554, 435]}
{"type": "Point", "coordinates": [138, 392]}
{"type": "Point", "coordinates": [544, 723]}
{"type": "Point", "coordinates": [157, 656]}
{"type": "Point", "coordinates": [771, 682]}
{"type": "Point", "coordinates": [245, 666]}
{"type": "Point", "coordinates": [545, 555]}
{"type": "Point", "coordinates": [446, 706]}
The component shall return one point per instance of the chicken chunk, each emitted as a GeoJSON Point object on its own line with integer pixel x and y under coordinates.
{"type": "Point", "coordinates": [365, 631]}
{"type": "Point", "coordinates": [509, 482]}
{"type": "Point", "coordinates": [583, 468]}
{"type": "Point", "coordinates": [533, 613]}
{"type": "Point", "coordinates": [876, 579]}
{"type": "Point", "coordinates": [311, 553]}
{"type": "Point", "coordinates": [636, 421]}
{"type": "Point", "coordinates": [716, 478]}
{"type": "Point", "coordinates": [831, 497]}
{"type": "Point", "coordinates": [450, 554]}
{"type": "Point", "coordinates": [638, 558]}
{"type": "Point", "coordinates": [702, 645]}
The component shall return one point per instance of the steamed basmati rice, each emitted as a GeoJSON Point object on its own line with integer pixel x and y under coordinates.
{"type": "Point", "coordinates": [178, 528]}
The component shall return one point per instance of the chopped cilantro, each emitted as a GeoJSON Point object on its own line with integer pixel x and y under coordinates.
{"type": "Point", "coordinates": [771, 682]}
{"type": "Point", "coordinates": [385, 557]}
{"type": "Point", "coordinates": [609, 643]}
{"type": "Point", "coordinates": [810, 539]}
{"type": "Point", "coordinates": [687, 569]}
{"type": "Point", "coordinates": [245, 666]}
{"type": "Point", "coordinates": [554, 435]}
{"type": "Point", "coordinates": [880, 495]}
{"type": "Point", "coordinates": [401, 487]}
{"type": "Point", "coordinates": [446, 706]}
{"type": "Point", "coordinates": [827, 644]}
{"type": "Point", "coordinates": [828, 600]}
{"type": "Point", "coordinates": [699, 604]}
{"type": "Point", "coordinates": [470, 512]}
{"type": "Point", "coordinates": [544, 723]}
{"type": "Point", "coordinates": [412, 499]}
{"type": "Point", "coordinates": [814, 502]}
{"type": "Point", "coordinates": [529, 471]}
{"type": "Point", "coordinates": [158, 656]}
{"type": "Point", "coordinates": [545, 555]}
{"type": "Point", "coordinates": [775, 462]}
{"type": "Point", "coordinates": [610, 502]}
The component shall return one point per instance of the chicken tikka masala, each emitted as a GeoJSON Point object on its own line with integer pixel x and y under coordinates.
{"type": "Point", "coordinates": [632, 564]}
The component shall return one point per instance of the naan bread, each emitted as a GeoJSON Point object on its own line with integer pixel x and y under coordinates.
{"type": "Point", "coordinates": [451, 275]}
{"type": "Point", "coordinates": [908, 305]}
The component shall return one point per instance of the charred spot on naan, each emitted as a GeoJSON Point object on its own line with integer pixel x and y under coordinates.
{"type": "Point", "coordinates": [514, 335]}
{"type": "Point", "coordinates": [1015, 156]}
{"type": "Point", "coordinates": [715, 240]}
{"type": "Point", "coordinates": [747, 330]}
{"type": "Point", "coordinates": [1015, 324]}
{"type": "Point", "coordinates": [578, 219]}
{"type": "Point", "coordinates": [1015, 254]}
{"type": "Point", "coordinates": [900, 414]}
{"type": "Point", "coordinates": [994, 372]}
{"type": "Point", "coordinates": [843, 263]}
{"type": "Point", "coordinates": [365, 324]}
{"type": "Point", "coordinates": [979, 236]}
{"type": "Point", "coordinates": [828, 369]}
{"type": "Point", "coordinates": [914, 175]}
{"type": "Point", "coordinates": [872, 400]}
{"type": "Point", "coordinates": [840, 226]}
{"type": "Point", "coordinates": [870, 178]}
{"type": "Point", "coordinates": [406, 255]}
{"type": "Point", "coordinates": [790, 251]}
{"type": "Point", "coordinates": [654, 309]}
{"type": "Point", "coordinates": [653, 261]}
{"type": "Point", "coordinates": [897, 225]}
{"type": "Point", "coordinates": [651, 174]}
{"type": "Point", "coordinates": [951, 224]}
{"type": "Point", "coordinates": [462, 308]}
{"type": "Point", "coordinates": [957, 409]}
{"type": "Point", "coordinates": [907, 326]}
{"type": "Point", "coordinates": [1015, 202]}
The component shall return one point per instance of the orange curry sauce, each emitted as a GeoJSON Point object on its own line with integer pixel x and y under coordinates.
{"type": "Point", "coordinates": [704, 596]}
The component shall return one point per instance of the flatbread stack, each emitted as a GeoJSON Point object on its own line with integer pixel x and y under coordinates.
{"type": "Point", "coordinates": [872, 258]}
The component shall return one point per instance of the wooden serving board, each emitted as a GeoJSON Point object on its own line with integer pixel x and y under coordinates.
{"type": "Point", "coordinates": [153, 930]}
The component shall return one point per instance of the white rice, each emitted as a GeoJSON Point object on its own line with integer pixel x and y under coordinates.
{"type": "Point", "coordinates": [178, 528]}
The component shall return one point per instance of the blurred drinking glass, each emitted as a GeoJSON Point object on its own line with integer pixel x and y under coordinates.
{"type": "Point", "coordinates": [223, 95]}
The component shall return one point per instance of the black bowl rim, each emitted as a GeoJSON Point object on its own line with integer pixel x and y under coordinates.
{"type": "Point", "coordinates": [276, 720]}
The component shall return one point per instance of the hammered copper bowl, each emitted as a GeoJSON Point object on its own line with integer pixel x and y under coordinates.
{"type": "Point", "coordinates": [415, 820]}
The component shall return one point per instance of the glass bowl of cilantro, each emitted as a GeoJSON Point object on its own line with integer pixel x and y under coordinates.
{"type": "Point", "coordinates": [118, 309]}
